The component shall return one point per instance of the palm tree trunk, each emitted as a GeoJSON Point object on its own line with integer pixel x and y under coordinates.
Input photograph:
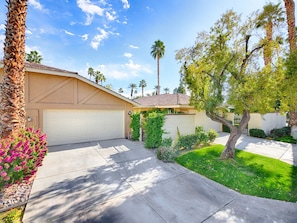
{"type": "Point", "coordinates": [290, 11]}
{"type": "Point", "coordinates": [267, 48]}
{"type": "Point", "coordinates": [158, 64]}
{"type": "Point", "coordinates": [12, 105]}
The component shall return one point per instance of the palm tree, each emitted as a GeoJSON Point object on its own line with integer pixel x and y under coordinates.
{"type": "Point", "coordinates": [142, 84]}
{"type": "Point", "coordinates": [34, 57]}
{"type": "Point", "coordinates": [132, 86]}
{"type": "Point", "coordinates": [91, 72]}
{"type": "Point", "coordinates": [121, 91]}
{"type": "Point", "coordinates": [290, 11]}
{"type": "Point", "coordinates": [158, 51]}
{"type": "Point", "coordinates": [99, 77]}
{"type": "Point", "coordinates": [166, 90]}
{"type": "Point", "coordinates": [12, 95]}
{"type": "Point", "coordinates": [108, 86]}
{"type": "Point", "coordinates": [156, 88]}
{"type": "Point", "coordinates": [271, 16]}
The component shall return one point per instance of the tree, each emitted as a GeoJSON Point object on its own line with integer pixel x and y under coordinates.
{"type": "Point", "coordinates": [132, 86]}
{"type": "Point", "coordinates": [158, 51]}
{"type": "Point", "coordinates": [121, 91]}
{"type": "Point", "coordinates": [108, 86]}
{"type": "Point", "coordinates": [142, 84]}
{"type": "Point", "coordinates": [166, 90]}
{"type": "Point", "coordinates": [272, 15]}
{"type": "Point", "coordinates": [91, 72]}
{"type": "Point", "coordinates": [34, 57]}
{"type": "Point", "coordinates": [221, 69]}
{"type": "Point", "coordinates": [290, 11]}
{"type": "Point", "coordinates": [99, 77]}
{"type": "Point", "coordinates": [12, 95]}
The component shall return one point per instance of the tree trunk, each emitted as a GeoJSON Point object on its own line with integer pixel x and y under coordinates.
{"type": "Point", "coordinates": [290, 11]}
{"type": "Point", "coordinates": [229, 150]}
{"type": "Point", "coordinates": [158, 64]}
{"type": "Point", "coordinates": [12, 95]}
{"type": "Point", "coordinates": [267, 47]}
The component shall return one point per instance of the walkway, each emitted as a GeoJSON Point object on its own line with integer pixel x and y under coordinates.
{"type": "Point", "coordinates": [119, 181]}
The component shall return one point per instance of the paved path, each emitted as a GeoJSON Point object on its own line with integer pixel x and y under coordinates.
{"type": "Point", "coordinates": [279, 150]}
{"type": "Point", "coordinates": [119, 181]}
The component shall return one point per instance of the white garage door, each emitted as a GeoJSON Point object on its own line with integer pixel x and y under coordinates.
{"type": "Point", "coordinates": [73, 126]}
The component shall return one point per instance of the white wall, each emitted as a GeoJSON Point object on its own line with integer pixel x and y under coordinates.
{"type": "Point", "coordinates": [267, 122]}
{"type": "Point", "coordinates": [202, 120]}
{"type": "Point", "coordinates": [185, 124]}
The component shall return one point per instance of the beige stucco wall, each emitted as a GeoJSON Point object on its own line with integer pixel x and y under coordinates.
{"type": "Point", "coordinates": [47, 91]}
{"type": "Point", "coordinates": [267, 122]}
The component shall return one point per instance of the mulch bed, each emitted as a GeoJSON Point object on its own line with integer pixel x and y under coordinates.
{"type": "Point", "coordinates": [15, 196]}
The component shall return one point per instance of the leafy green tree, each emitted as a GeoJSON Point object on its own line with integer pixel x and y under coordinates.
{"type": "Point", "coordinates": [142, 84]}
{"type": "Point", "coordinates": [108, 86]}
{"type": "Point", "coordinates": [34, 57]}
{"type": "Point", "coordinates": [133, 87]}
{"type": "Point", "coordinates": [272, 15]}
{"type": "Point", "coordinates": [121, 90]}
{"type": "Point", "coordinates": [91, 72]}
{"type": "Point", "coordinates": [158, 51]}
{"type": "Point", "coordinates": [222, 69]}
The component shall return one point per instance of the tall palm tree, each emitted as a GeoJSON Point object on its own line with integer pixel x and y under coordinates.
{"type": "Point", "coordinates": [271, 16]}
{"type": "Point", "coordinates": [101, 77]}
{"type": "Point", "coordinates": [91, 72]}
{"type": "Point", "coordinates": [34, 57]}
{"type": "Point", "coordinates": [12, 95]}
{"type": "Point", "coordinates": [166, 90]}
{"type": "Point", "coordinates": [142, 84]}
{"type": "Point", "coordinates": [132, 86]}
{"type": "Point", "coordinates": [290, 11]}
{"type": "Point", "coordinates": [158, 51]}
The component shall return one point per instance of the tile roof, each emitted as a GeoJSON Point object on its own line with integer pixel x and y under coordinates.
{"type": "Point", "coordinates": [164, 100]}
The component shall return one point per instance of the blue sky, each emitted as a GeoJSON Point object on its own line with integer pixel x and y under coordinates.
{"type": "Point", "coordinates": [115, 36]}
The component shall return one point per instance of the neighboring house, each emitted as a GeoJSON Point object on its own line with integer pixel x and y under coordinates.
{"type": "Point", "coordinates": [70, 108]}
{"type": "Point", "coordinates": [181, 116]}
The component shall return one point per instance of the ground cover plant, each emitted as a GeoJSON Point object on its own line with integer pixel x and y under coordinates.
{"type": "Point", "coordinates": [14, 215]}
{"type": "Point", "coordinates": [247, 173]}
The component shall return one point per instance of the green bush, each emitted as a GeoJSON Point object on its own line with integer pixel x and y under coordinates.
{"type": "Point", "coordinates": [257, 133]}
{"type": "Point", "coordinates": [276, 133]}
{"type": "Point", "coordinates": [153, 129]}
{"type": "Point", "coordinates": [135, 126]}
{"type": "Point", "coordinates": [288, 139]}
{"type": "Point", "coordinates": [188, 141]}
{"type": "Point", "coordinates": [212, 135]}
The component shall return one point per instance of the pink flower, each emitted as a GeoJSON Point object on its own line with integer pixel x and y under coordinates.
{"type": "Point", "coordinates": [3, 174]}
{"type": "Point", "coordinates": [1, 168]}
{"type": "Point", "coordinates": [8, 159]}
{"type": "Point", "coordinates": [7, 178]}
{"type": "Point", "coordinates": [2, 152]}
{"type": "Point", "coordinates": [17, 168]}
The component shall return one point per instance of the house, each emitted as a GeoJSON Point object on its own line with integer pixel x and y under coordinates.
{"type": "Point", "coordinates": [181, 116]}
{"type": "Point", "coordinates": [72, 109]}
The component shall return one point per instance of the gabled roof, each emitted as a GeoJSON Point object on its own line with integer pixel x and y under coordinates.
{"type": "Point", "coordinates": [40, 68]}
{"type": "Point", "coordinates": [164, 101]}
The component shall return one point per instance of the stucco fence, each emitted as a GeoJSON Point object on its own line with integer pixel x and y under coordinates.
{"type": "Point", "coordinates": [186, 123]}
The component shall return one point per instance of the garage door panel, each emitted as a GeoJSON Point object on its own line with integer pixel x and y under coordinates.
{"type": "Point", "coordinates": [72, 126]}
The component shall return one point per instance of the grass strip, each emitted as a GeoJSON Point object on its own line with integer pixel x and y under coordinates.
{"type": "Point", "coordinates": [247, 173]}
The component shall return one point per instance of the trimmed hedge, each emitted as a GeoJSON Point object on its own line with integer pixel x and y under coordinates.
{"type": "Point", "coordinates": [257, 133]}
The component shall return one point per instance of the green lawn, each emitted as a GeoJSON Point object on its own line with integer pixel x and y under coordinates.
{"type": "Point", "coordinates": [248, 173]}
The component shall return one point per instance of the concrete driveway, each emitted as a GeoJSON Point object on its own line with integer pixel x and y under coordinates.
{"type": "Point", "coordinates": [121, 181]}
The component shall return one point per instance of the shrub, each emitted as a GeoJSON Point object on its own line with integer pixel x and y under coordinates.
{"type": "Point", "coordinates": [21, 156]}
{"type": "Point", "coordinates": [153, 129]}
{"type": "Point", "coordinates": [257, 133]}
{"type": "Point", "coordinates": [135, 126]}
{"type": "Point", "coordinates": [167, 152]}
{"type": "Point", "coordinates": [276, 133]}
{"type": "Point", "coordinates": [188, 141]}
{"type": "Point", "coordinates": [212, 135]}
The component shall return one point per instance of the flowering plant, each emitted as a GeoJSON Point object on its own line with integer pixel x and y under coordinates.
{"type": "Point", "coordinates": [21, 156]}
